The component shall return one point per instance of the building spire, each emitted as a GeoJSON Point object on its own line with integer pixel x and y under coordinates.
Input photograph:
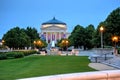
{"type": "Point", "coordinates": [54, 18]}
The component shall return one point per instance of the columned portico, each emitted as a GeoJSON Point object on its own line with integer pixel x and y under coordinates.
{"type": "Point", "coordinates": [53, 36]}
{"type": "Point", "coordinates": [53, 30]}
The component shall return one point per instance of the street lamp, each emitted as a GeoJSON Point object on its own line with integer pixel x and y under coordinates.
{"type": "Point", "coordinates": [37, 43]}
{"type": "Point", "coordinates": [101, 31]}
{"type": "Point", "coordinates": [115, 39]}
{"type": "Point", "coordinates": [65, 43]}
{"type": "Point", "coordinates": [34, 44]}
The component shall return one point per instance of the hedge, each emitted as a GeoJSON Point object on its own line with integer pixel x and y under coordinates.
{"type": "Point", "coordinates": [3, 56]}
{"type": "Point", "coordinates": [16, 54]}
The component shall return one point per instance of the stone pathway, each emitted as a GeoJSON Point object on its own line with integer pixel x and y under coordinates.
{"type": "Point", "coordinates": [101, 67]}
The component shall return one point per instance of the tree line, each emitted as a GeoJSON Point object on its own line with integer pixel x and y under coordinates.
{"type": "Point", "coordinates": [19, 37]}
{"type": "Point", "coordinates": [88, 37]}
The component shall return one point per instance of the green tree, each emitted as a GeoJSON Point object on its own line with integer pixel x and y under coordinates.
{"type": "Point", "coordinates": [77, 36]}
{"type": "Point", "coordinates": [32, 33]}
{"type": "Point", "coordinates": [89, 36]}
{"type": "Point", "coordinates": [16, 38]}
{"type": "Point", "coordinates": [112, 25]}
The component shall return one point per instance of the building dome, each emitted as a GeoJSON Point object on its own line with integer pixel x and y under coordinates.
{"type": "Point", "coordinates": [54, 21]}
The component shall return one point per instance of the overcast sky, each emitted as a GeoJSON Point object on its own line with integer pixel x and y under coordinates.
{"type": "Point", "coordinates": [33, 13]}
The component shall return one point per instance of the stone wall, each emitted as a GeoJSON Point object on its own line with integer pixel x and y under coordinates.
{"type": "Point", "coordinates": [97, 75]}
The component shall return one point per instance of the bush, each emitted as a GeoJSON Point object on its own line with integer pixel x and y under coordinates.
{"type": "Point", "coordinates": [26, 53]}
{"type": "Point", "coordinates": [10, 54]}
{"type": "Point", "coordinates": [18, 55]}
{"type": "Point", "coordinates": [15, 54]}
{"type": "Point", "coordinates": [3, 56]}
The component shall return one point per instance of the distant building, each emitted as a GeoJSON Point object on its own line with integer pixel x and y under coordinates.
{"type": "Point", "coordinates": [53, 30]}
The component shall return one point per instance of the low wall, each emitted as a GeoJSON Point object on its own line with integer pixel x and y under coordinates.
{"type": "Point", "coordinates": [97, 75]}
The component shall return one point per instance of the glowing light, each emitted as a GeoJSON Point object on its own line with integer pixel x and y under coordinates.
{"type": "Point", "coordinates": [115, 38]}
{"type": "Point", "coordinates": [101, 28]}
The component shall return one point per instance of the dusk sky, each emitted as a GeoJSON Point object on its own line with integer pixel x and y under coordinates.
{"type": "Point", "coordinates": [33, 13]}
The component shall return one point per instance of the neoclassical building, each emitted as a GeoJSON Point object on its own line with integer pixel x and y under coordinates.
{"type": "Point", "coordinates": [53, 30]}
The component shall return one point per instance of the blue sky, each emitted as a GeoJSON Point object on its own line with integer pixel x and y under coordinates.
{"type": "Point", "coordinates": [33, 13]}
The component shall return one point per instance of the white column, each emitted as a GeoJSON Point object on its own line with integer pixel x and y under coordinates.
{"type": "Point", "coordinates": [47, 37]}
{"type": "Point", "coordinates": [55, 37]}
{"type": "Point", "coordinates": [50, 36]}
{"type": "Point", "coordinates": [59, 35]}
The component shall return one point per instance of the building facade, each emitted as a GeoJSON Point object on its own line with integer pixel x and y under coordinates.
{"type": "Point", "coordinates": [53, 30]}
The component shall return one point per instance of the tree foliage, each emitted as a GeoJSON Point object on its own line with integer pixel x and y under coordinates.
{"type": "Point", "coordinates": [32, 33]}
{"type": "Point", "coordinates": [77, 36]}
{"type": "Point", "coordinates": [20, 38]}
{"type": "Point", "coordinates": [112, 25]}
{"type": "Point", "coordinates": [82, 36]}
{"type": "Point", "coordinates": [16, 38]}
{"type": "Point", "coordinates": [111, 28]}
{"type": "Point", "coordinates": [89, 36]}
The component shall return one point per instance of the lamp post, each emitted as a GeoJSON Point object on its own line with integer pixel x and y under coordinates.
{"type": "Point", "coordinates": [34, 44]}
{"type": "Point", "coordinates": [101, 31]}
{"type": "Point", "coordinates": [37, 43]}
{"type": "Point", "coordinates": [65, 43]}
{"type": "Point", "coordinates": [115, 39]}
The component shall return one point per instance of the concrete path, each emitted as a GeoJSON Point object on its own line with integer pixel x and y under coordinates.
{"type": "Point", "coordinates": [101, 67]}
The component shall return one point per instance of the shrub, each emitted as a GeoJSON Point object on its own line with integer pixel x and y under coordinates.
{"type": "Point", "coordinates": [3, 56]}
{"type": "Point", "coordinates": [26, 53]}
{"type": "Point", "coordinates": [18, 55]}
{"type": "Point", "coordinates": [10, 54]}
{"type": "Point", "coordinates": [15, 54]}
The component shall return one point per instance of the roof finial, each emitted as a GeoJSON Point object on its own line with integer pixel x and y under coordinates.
{"type": "Point", "coordinates": [54, 18]}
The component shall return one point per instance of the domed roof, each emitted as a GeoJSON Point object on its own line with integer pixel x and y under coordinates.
{"type": "Point", "coordinates": [53, 21]}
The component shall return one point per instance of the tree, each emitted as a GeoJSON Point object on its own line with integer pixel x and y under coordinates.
{"type": "Point", "coordinates": [112, 25]}
{"type": "Point", "coordinates": [89, 36]}
{"type": "Point", "coordinates": [32, 33]}
{"type": "Point", "coordinates": [16, 38]}
{"type": "Point", "coordinates": [77, 36]}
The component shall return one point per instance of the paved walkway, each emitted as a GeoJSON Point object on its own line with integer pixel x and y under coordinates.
{"type": "Point", "coordinates": [100, 66]}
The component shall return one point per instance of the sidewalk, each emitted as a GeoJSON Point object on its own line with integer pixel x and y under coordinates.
{"type": "Point", "coordinates": [101, 67]}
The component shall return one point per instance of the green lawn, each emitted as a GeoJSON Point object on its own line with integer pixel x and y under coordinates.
{"type": "Point", "coordinates": [35, 65]}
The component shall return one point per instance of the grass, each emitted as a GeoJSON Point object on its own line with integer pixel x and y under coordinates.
{"type": "Point", "coordinates": [33, 66]}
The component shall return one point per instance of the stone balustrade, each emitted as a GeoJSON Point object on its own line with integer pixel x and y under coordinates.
{"type": "Point", "coordinates": [97, 75]}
